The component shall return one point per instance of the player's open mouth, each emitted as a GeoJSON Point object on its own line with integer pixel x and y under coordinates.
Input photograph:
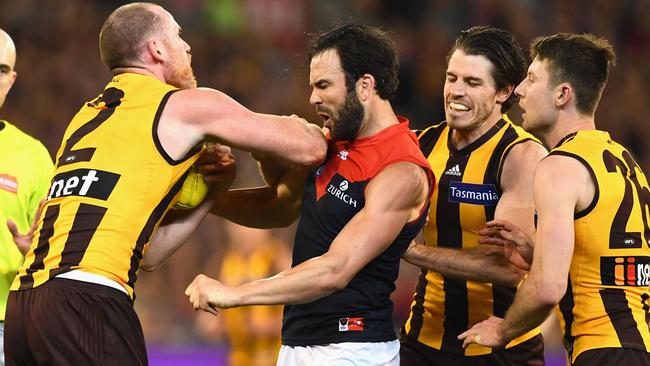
{"type": "Point", "coordinates": [324, 117]}
{"type": "Point", "coordinates": [458, 107]}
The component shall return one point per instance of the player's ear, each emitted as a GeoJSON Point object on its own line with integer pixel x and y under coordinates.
{"type": "Point", "coordinates": [365, 86]}
{"type": "Point", "coordinates": [155, 50]}
{"type": "Point", "coordinates": [563, 94]}
{"type": "Point", "coordinates": [12, 79]}
{"type": "Point", "coordinates": [504, 94]}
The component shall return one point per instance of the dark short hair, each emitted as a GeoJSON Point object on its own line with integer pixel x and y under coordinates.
{"type": "Point", "coordinates": [502, 50]}
{"type": "Point", "coordinates": [124, 31]}
{"type": "Point", "coordinates": [362, 50]}
{"type": "Point", "coordinates": [582, 60]}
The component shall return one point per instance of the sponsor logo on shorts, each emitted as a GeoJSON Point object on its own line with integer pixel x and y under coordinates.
{"type": "Point", "coordinates": [83, 182]}
{"type": "Point", "coordinates": [350, 324]}
{"type": "Point", "coordinates": [475, 194]}
{"type": "Point", "coordinates": [8, 183]}
{"type": "Point", "coordinates": [625, 271]}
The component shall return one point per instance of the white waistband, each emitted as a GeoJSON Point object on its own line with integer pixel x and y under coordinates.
{"type": "Point", "coordinates": [92, 278]}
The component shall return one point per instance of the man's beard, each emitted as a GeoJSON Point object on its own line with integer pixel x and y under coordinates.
{"type": "Point", "coordinates": [182, 78]}
{"type": "Point", "coordinates": [348, 118]}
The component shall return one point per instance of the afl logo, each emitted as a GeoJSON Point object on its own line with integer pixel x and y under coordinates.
{"type": "Point", "coordinates": [320, 170]}
{"type": "Point", "coordinates": [343, 186]}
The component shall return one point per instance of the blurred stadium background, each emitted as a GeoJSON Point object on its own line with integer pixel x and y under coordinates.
{"type": "Point", "coordinates": [254, 50]}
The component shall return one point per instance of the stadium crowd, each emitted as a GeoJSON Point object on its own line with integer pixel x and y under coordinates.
{"type": "Point", "coordinates": [254, 50]}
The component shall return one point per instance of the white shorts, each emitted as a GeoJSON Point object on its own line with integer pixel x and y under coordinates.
{"type": "Point", "coordinates": [342, 354]}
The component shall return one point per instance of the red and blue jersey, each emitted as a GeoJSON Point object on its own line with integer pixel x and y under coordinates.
{"type": "Point", "coordinates": [334, 193]}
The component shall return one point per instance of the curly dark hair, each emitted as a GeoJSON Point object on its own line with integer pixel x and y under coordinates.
{"type": "Point", "coordinates": [362, 50]}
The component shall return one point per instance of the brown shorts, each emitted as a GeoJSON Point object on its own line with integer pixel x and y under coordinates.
{"type": "Point", "coordinates": [68, 322]}
{"type": "Point", "coordinates": [613, 357]}
{"type": "Point", "coordinates": [529, 353]}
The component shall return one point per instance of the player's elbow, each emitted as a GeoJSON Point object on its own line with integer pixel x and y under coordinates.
{"type": "Point", "coordinates": [333, 283]}
{"type": "Point", "coordinates": [148, 267]}
{"type": "Point", "coordinates": [334, 278]}
{"type": "Point", "coordinates": [340, 282]}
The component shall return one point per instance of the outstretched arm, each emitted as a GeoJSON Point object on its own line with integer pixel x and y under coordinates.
{"type": "Point", "coordinates": [474, 264]}
{"type": "Point", "coordinates": [393, 198]}
{"type": "Point", "coordinates": [192, 114]}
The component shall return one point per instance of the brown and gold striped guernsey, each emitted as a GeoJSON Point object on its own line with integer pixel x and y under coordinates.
{"type": "Point", "coordinates": [607, 301]}
{"type": "Point", "coordinates": [463, 201]}
{"type": "Point", "coordinates": [112, 185]}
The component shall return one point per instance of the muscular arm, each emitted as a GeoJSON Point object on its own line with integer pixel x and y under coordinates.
{"type": "Point", "coordinates": [192, 114]}
{"type": "Point", "coordinates": [393, 198]}
{"type": "Point", "coordinates": [276, 205]}
{"type": "Point", "coordinates": [562, 185]}
{"type": "Point", "coordinates": [468, 264]}
{"type": "Point", "coordinates": [515, 204]}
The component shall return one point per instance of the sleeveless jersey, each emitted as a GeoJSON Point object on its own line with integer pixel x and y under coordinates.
{"type": "Point", "coordinates": [333, 195]}
{"type": "Point", "coordinates": [463, 201]}
{"type": "Point", "coordinates": [112, 184]}
{"type": "Point", "coordinates": [607, 301]}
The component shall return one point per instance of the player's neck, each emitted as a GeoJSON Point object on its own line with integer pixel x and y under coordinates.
{"type": "Point", "coordinates": [464, 137]}
{"type": "Point", "coordinates": [137, 69]}
{"type": "Point", "coordinates": [379, 116]}
{"type": "Point", "coordinates": [568, 124]}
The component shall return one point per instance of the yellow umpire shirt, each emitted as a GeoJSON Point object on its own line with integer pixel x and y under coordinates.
{"type": "Point", "coordinates": [25, 172]}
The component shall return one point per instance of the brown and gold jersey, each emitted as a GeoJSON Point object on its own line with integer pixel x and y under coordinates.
{"type": "Point", "coordinates": [112, 184]}
{"type": "Point", "coordinates": [463, 201]}
{"type": "Point", "coordinates": [607, 301]}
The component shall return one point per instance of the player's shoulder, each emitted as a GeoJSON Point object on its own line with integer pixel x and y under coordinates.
{"type": "Point", "coordinates": [430, 131]}
{"type": "Point", "coordinates": [556, 168]}
{"type": "Point", "coordinates": [525, 152]}
{"type": "Point", "coordinates": [402, 176]}
{"type": "Point", "coordinates": [585, 146]}
{"type": "Point", "coordinates": [192, 94]}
